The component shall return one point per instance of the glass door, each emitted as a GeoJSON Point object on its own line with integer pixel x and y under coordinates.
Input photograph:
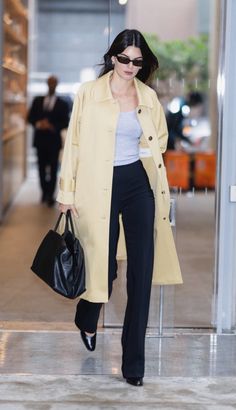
{"type": "Point", "coordinates": [186, 86]}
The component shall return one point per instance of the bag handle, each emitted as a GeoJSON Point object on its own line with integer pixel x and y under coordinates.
{"type": "Point", "coordinates": [69, 221]}
{"type": "Point", "coordinates": [58, 221]}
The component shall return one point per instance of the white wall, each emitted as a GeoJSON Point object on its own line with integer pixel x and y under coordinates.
{"type": "Point", "coordinates": [169, 19]}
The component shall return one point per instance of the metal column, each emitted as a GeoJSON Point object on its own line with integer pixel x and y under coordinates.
{"type": "Point", "coordinates": [225, 279]}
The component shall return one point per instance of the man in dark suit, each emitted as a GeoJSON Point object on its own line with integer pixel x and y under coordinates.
{"type": "Point", "coordinates": [48, 115]}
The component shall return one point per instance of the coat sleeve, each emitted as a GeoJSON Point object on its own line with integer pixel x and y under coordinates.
{"type": "Point", "coordinates": [161, 126]}
{"type": "Point", "coordinates": [67, 181]}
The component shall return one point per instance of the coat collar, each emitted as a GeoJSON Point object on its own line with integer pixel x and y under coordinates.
{"type": "Point", "coordinates": [102, 90]}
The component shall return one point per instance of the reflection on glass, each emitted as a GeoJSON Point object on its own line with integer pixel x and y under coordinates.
{"type": "Point", "coordinates": [213, 354]}
{"type": "Point", "coordinates": [3, 347]}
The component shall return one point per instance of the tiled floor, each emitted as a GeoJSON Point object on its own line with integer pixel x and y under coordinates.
{"type": "Point", "coordinates": [110, 393]}
{"type": "Point", "coordinates": [62, 353]}
{"type": "Point", "coordinates": [52, 370]}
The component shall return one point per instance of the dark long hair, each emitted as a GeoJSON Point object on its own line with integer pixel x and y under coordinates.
{"type": "Point", "coordinates": [132, 38]}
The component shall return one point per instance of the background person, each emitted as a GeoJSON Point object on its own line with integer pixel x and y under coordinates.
{"type": "Point", "coordinates": [176, 118]}
{"type": "Point", "coordinates": [102, 177]}
{"type": "Point", "coordinates": [48, 115]}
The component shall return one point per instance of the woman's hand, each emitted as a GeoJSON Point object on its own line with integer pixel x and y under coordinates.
{"type": "Point", "coordinates": [64, 208]}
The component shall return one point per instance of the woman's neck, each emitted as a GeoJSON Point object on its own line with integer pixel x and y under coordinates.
{"type": "Point", "coordinates": [119, 86]}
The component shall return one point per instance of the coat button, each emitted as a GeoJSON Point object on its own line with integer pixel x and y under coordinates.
{"type": "Point", "coordinates": [139, 111]}
{"type": "Point", "coordinates": [159, 166]}
{"type": "Point", "coordinates": [163, 192]}
{"type": "Point", "coordinates": [150, 138]}
{"type": "Point", "coordinates": [164, 218]}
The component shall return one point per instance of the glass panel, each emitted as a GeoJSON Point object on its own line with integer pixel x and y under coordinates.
{"type": "Point", "coordinates": [186, 86]}
{"type": "Point", "coordinates": [70, 39]}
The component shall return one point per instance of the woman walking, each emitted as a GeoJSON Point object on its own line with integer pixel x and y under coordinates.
{"type": "Point", "coordinates": [103, 176]}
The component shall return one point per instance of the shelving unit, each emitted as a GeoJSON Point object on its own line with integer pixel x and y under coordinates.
{"type": "Point", "coordinates": [13, 76]}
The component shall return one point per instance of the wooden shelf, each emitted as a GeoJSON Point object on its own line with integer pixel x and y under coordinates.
{"type": "Point", "coordinates": [13, 69]}
{"type": "Point", "coordinates": [14, 102]}
{"type": "Point", "coordinates": [8, 135]}
{"type": "Point", "coordinates": [10, 34]}
{"type": "Point", "coordinates": [18, 8]}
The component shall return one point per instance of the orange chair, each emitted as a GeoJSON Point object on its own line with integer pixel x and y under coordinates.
{"type": "Point", "coordinates": [177, 168]}
{"type": "Point", "coordinates": [204, 170]}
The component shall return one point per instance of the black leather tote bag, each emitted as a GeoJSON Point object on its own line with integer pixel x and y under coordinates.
{"type": "Point", "coordinates": [59, 260]}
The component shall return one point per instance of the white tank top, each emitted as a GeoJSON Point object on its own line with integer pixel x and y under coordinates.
{"type": "Point", "coordinates": [128, 134]}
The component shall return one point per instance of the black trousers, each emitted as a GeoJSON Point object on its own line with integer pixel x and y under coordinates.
{"type": "Point", "coordinates": [133, 198]}
{"type": "Point", "coordinates": [48, 166]}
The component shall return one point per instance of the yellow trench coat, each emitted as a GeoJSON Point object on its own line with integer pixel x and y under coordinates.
{"type": "Point", "coordinates": [86, 179]}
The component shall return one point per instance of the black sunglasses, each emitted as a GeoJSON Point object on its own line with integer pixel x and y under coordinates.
{"type": "Point", "coordinates": [126, 60]}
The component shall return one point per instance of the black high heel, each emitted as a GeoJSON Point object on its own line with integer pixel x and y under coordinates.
{"type": "Point", "coordinates": [135, 381]}
{"type": "Point", "coordinates": [89, 341]}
